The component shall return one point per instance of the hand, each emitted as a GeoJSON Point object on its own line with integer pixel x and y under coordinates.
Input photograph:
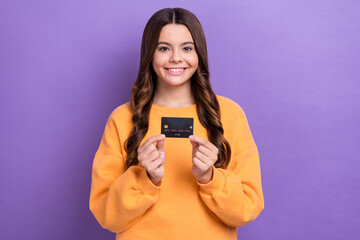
{"type": "Point", "coordinates": [204, 155]}
{"type": "Point", "coordinates": [153, 158]}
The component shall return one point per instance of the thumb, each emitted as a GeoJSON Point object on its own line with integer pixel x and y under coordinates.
{"type": "Point", "coordinates": [193, 143]}
{"type": "Point", "coordinates": [160, 145]}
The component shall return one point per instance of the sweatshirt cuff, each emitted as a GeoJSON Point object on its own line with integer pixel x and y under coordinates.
{"type": "Point", "coordinates": [214, 184]}
{"type": "Point", "coordinates": [146, 185]}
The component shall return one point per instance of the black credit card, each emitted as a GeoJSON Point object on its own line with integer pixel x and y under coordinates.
{"type": "Point", "coordinates": [177, 127]}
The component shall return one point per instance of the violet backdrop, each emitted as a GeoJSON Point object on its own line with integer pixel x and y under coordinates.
{"type": "Point", "coordinates": [292, 65]}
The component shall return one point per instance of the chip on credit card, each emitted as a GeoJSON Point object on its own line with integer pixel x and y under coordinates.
{"type": "Point", "coordinates": [177, 127]}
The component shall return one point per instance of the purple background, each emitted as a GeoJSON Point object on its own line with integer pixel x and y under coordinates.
{"type": "Point", "coordinates": [292, 65]}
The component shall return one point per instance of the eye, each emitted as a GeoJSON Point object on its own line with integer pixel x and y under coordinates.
{"type": "Point", "coordinates": [163, 49]}
{"type": "Point", "coordinates": [187, 49]}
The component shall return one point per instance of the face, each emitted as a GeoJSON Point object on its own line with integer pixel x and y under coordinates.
{"type": "Point", "coordinates": [175, 58]}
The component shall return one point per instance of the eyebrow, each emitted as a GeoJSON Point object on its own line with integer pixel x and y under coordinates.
{"type": "Point", "coordinates": [184, 43]}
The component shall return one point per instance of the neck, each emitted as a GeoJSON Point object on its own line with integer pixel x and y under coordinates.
{"type": "Point", "coordinates": [173, 96]}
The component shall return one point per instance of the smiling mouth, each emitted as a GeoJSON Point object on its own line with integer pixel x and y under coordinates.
{"type": "Point", "coordinates": [175, 71]}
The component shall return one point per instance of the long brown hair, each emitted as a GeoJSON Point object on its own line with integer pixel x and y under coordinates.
{"type": "Point", "coordinates": [142, 94]}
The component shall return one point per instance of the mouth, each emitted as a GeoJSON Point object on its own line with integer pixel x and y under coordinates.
{"type": "Point", "coordinates": [175, 71]}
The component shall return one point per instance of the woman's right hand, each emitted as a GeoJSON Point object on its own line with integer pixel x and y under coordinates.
{"type": "Point", "coordinates": [153, 158]}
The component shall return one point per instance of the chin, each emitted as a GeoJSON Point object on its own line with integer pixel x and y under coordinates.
{"type": "Point", "coordinates": [176, 83]}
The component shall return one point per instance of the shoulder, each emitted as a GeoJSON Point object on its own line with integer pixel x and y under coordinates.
{"type": "Point", "coordinates": [121, 112]}
{"type": "Point", "coordinates": [229, 107]}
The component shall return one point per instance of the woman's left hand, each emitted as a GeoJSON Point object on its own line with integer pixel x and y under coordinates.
{"type": "Point", "coordinates": [204, 155]}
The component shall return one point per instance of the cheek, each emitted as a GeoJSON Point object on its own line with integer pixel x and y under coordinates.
{"type": "Point", "coordinates": [156, 63]}
{"type": "Point", "coordinates": [159, 60]}
{"type": "Point", "coordinates": [194, 61]}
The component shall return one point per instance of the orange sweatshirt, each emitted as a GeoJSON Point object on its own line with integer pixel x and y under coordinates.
{"type": "Point", "coordinates": [128, 203]}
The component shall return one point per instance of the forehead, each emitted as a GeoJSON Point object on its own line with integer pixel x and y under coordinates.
{"type": "Point", "coordinates": [175, 33]}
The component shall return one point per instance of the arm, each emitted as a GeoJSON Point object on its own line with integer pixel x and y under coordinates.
{"type": "Point", "coordinates": [118, 197]}
{"type": "Point", "coordinates": [235, 194]}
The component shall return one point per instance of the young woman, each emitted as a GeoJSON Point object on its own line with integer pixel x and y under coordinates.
{"type": "Point", "coordinates": [146, 185]}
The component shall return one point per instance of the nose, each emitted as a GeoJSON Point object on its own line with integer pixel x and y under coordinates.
{"type": "Point", "coordinates": [176, 56]}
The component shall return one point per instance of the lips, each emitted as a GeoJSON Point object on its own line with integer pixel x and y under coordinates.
{"type": "Point", "coordinates": [175, 71]}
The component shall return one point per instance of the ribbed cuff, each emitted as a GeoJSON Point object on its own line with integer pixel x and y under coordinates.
{"type": "Point", "coordinates": [214, 183]}
{"type": "Point", "coordinates": [146, 185]}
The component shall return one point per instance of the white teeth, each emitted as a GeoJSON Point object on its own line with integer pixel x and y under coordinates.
{"type": "Point", "coordinates": [175, 69]}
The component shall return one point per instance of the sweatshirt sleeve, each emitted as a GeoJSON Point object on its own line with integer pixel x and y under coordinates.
{"type": "Point", "coordinates": [235, 194]}
{"type": "Point", "coordinates": [118, 197]}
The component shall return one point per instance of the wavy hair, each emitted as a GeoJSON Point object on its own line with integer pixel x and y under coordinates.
{"type": "Point", "coordinates": [142, 94]}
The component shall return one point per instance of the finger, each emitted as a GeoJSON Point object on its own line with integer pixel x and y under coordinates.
{"type": "Point", "coordinates": [199, 164]}
{"type": "Point", "coordinates": [156, 164]}
{"type": "Point", "coordinates": [211, 155]}
{"type": "Point", "coordinates": [159, 162]}
{"type": "Point", "coordinates": [207, 152]}
{"type": "Point", "coordinates": [202, 141]}
{"type": "Point", "coordinates": [203, 158]}
{"type": "Point", "coordinates": [151, 140]}
{"type": "Point", "coordinates": [148, 150]}
{"type": "Point", "coordinates": [153, 157]}
{"type": "Point", "coordinates": [146, 160]}
{"type": "Point", "coordinates": [194, 144]}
